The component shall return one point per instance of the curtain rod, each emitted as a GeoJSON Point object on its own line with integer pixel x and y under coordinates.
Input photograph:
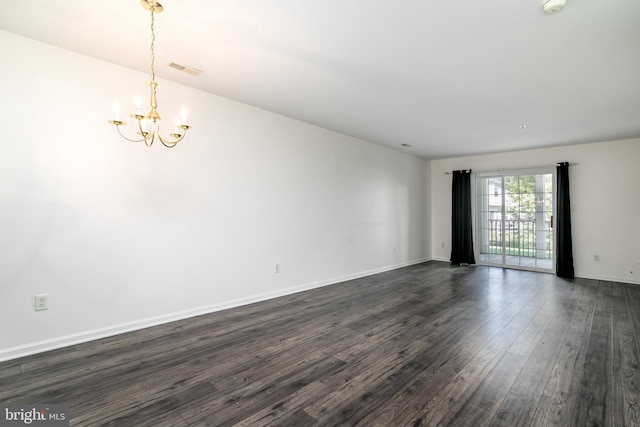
{"type": "Point", "coordinates": [513, 169]}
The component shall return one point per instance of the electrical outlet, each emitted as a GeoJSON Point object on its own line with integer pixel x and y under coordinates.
{"type": "Point", "coordinates": [596, 258]}
{"type": "Point", "coordinates": [42, 302]}
{"type": "Point", "coordinates": [276, 268]}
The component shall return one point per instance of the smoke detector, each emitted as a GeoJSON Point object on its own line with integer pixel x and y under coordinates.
{"type": "Point", "coordinates": [553, 6]}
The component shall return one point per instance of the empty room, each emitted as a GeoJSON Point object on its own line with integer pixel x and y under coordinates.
{"type": "Point", "coordinates": [290, 213]}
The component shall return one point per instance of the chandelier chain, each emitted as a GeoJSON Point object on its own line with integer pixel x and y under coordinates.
{"type": "Point", "coordinates": [153, 48]}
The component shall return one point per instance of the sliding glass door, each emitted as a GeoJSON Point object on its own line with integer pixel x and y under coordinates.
{"type": "Point", "coordinates": [514, 220]}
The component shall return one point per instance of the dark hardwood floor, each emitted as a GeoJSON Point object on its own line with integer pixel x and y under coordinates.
{"type": "Point", "coordinates": [425, 345]}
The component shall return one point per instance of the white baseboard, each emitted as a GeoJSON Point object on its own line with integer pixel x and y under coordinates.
{"type": "Point", "coordinates": [608, 279]}
{"type": "Point", "coordinates": [578, 275]}
{"type": "Point", "coordinates": [82, 337]}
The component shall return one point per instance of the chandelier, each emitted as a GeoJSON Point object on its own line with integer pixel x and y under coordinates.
{"type": "Point", "coordinates": [149, 125]}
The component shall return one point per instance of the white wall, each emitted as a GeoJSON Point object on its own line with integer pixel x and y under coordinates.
{"type": "Point", "coordinates": [122, 236]}
{"type": "Point", "coordinates": [605, 197]}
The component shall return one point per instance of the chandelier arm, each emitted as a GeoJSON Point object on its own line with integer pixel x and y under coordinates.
{"type": "Point", "coordinates": [129, 139]}
{"type": "Point", "coordinates": [171, 144]}
{"type": "Point", "coordinates": [149, 141]}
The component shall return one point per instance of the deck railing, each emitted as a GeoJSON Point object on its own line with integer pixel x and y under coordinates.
{"type": "Point", "coordinates": [519, 238]}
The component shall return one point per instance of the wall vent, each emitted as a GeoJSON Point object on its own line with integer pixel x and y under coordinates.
{"type": "Point", "coordinates": [184, 68]}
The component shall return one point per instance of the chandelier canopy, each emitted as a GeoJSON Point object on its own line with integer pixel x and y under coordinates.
{"type": "Point", "coordinates": [149, 125]}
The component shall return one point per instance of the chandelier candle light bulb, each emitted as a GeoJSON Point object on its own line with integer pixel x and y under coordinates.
{"type": "Point", "coordinates": [116, 112]}
{"type": "Point", "coordinates": [149, 125]}
{"type": "Point", "coordinates": [138, 102]}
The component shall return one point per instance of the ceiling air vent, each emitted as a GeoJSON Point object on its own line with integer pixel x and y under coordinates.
{"type": "Point", "coordinates": [184, 68]}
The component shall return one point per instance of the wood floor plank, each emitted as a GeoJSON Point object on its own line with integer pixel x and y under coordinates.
{"type": "Point", "coordinates": [429, 344]}
{"type": "Point", "coordinates": [480, 408]}
{"type": "Point", "coordinates": [633, 296]}
{"type": "Point", "coordinates": [520, 404]}
{"type": "Point", "coordinates": [443, 407]}
{"type": "Point", "coordinates": [283, 410]}
{"type": "Point", "coordinates": [369, 375]}
{"type": "Point", "coordinates": [231, 407]}
{"type": "Point", "coordinates": [560, 405]}
{"type": "Point", "coordinates": [622, 401]}
{"type": "Point", "coordinates": [161, 412]}
{"type": "Point", "coordinates": [456, 356]}
{"type": "Point", "coordinates": [626, 360]}
{"type": "Point", "coordinates": [597, 364]}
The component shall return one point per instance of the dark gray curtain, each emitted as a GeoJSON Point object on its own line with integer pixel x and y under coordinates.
{"type": "Point", "coordinates": [564, 247]}
{"type": "Point", "coordinates": [461, 233]}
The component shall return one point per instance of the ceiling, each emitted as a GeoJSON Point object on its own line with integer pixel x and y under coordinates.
{"type": "Point", "coordinates": [448, 78]}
